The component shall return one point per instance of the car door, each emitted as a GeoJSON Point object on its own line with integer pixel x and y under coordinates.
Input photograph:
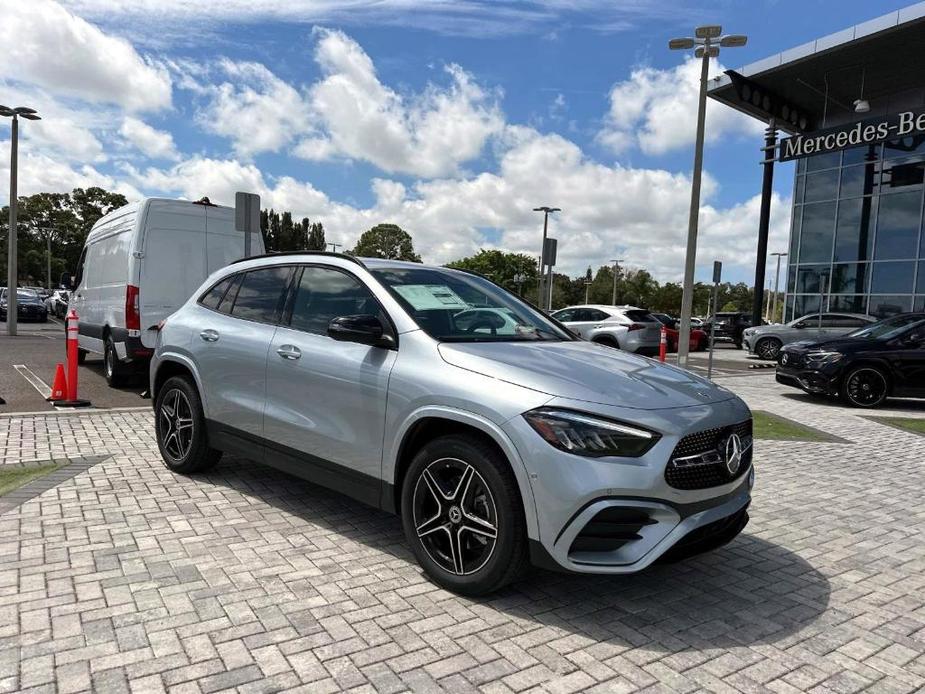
{"type": "Point", "coordinates": [325, 408]}
{"type": "Point", "coordinates": [230, 343]}
{"type": "Point", "coordinates": [908, 359]}
{"type": "Point", "coordinates": [582, 321]}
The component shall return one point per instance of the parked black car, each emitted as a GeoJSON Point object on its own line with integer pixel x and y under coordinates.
{"type": "Point", "coordinates": [729, 326]}
{"type": "Point", "coordinates": [864, 367]}
{"type": "Point", "coordinates": [29, 305]}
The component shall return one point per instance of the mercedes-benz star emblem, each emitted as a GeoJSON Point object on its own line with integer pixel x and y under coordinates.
{"type": "Point", "coordinates": [783, 359]}
{"type": "Point", "coordinates": [733, 453]}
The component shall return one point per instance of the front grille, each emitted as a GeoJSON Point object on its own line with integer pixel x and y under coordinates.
{"type": "Point", "coordinates": [791, 360]}
{"type": "Point", "coordinates": [610, 529]}
{"type": "Point", "coordinates": [698, 461]}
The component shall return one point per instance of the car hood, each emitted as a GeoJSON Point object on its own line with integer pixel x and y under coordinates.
{"type": "Point", "coordinates": [581, 370]}
{"type": "Point", "coordinates": [842, 344]}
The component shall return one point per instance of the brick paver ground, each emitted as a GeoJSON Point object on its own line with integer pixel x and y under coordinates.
{"type": "Point", "coordinates": [126, 577]}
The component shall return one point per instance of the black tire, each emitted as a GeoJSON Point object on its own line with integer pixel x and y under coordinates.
{"type": "Point", "coordinates": [768, 348]}
{"type": "Point", "coordinates": [182, 453]}
{"type": "Point", "coordinates": [738, 345]}
{"type": "Point", "coordinates": [607, 342]}
{"type": "Point", "coordinates": [115, 371]}
{"type": "Point", "coordinates": [81, 355]}
{"type": "Point", "coordinates": [865, 386]}
{"type": "Point", "coordinates": [480, 563]}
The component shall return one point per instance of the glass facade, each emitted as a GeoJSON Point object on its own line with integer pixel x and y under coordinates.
{"type": "Point", "coordinates": [857, 241]}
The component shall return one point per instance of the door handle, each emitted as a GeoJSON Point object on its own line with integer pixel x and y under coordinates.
{"type": "Point", "coordinates": [209, 335]}
{"type": "Point", "coordinates": [289, 352]}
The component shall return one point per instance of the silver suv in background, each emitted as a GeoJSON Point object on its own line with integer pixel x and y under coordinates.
{"type": "Point", "coordinates": [766, 341]}
{"type": "Point", "coordinates": [496, 435]}
{"type": "Point", "coordinates": [629, 328]}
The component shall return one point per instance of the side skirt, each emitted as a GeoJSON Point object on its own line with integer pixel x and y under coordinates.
{"type": "Point", "coordinates": [357, 485]}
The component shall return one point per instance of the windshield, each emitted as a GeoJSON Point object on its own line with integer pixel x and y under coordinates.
{"type": "Point", "coordinates": [888, 328]}
{"type": "Point", "coordinates": [457, 307]}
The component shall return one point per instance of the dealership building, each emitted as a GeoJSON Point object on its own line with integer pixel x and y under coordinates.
{"type": "Point", "coordinates": [850, 110]}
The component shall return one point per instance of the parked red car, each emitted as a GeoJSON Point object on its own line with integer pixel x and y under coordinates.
{"type": "Point", "coordinates": [698, 338]}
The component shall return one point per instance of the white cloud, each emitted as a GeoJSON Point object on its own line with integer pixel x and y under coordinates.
{"type": "Point", "coordinates": [47, 45]}
{"type": "Point", "coordinates": [427, 134]}
{"type": "Point", "coordinates": [154, 143]}
{"type": "Point", "coordinates": [254, 108]}
{"type": "Point", "coordinates": [640, 213]}
{"type": "Point", "coordinates": [656, 110]}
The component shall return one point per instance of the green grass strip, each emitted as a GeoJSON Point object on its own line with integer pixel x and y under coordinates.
{"type": "Point", "coordinates": [916, 426]}
{"type": "Point", "coordinates": [772, 427]}
{"type": "Point", "coordinates": [13, 477]}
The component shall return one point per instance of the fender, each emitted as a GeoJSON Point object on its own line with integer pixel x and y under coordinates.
{"type": "Point", "coordinates": [477, 421]}
{"type": "Point", "coordinates": [182, 359]}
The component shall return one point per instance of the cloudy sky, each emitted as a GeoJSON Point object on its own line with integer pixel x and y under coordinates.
{"type": "Point", "coordinates": [452, 118]}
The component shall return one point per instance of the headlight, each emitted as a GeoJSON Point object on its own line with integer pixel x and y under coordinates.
{"type": "Point", "coordinates": [589, 435]}
{"type": "Point", "coordinates": [821, 358]}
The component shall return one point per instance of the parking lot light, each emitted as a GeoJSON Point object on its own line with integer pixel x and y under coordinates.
{"type": "Point", "coordinates": [12, 270]}
{"type": "Point", "coordinates": [708, 40]}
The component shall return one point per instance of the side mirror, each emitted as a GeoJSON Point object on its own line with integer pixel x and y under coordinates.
{"type": "Point", "coordinates": [799, 325]}
{"type": "Point", "coordinates": [365, 329]}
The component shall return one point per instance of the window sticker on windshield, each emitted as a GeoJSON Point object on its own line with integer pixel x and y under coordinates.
{"type": "Point", "coordinates": [423, 297]}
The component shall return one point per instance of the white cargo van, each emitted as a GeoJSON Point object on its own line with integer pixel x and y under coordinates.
{"type": "Point", "coordinates": [140, 263]}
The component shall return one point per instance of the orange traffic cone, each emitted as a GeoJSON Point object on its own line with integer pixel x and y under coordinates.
{"type": "Point", "coordinates": [59, 389]}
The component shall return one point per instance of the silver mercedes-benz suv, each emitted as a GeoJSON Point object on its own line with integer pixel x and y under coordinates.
{"type": "Point", "coordinates": [498, 436]}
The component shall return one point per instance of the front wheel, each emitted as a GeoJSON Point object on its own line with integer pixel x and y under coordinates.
{"type": "Point", "coordinates": [114, 369]}
{"type": "Point", "coordinates": [462, 515]}
{"type": "Point", "coordinates": [865, 386]}
{"type": "Point", "coordinates": [180, 428]}
{"type": "Point", "coordinates": [768, 348]}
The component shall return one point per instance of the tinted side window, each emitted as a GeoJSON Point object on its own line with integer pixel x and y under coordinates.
{"type": "Point", "coordinates": [565, 316]}
{"type": "Point", "coordinates": [212, 297]}
{"type": "Point", "coordinates": [261, 294]}
{"type": "Point", "coordinates": [850, 322]}
{"type": "Point", "coordinates": [324, 294]}
{"type": "Point", "coordinates": [227, 301]}
{"type": "Point", "coordinates": [79, 273]}
{"type": "Point", "coordinates": [594, 314]}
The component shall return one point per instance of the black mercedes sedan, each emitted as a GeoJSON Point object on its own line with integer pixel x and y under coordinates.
{"type": "Point", "coordinates": [864, 367]}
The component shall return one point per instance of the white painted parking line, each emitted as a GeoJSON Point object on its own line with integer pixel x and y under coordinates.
{"type": "Point", "coordinates": [36, 382]}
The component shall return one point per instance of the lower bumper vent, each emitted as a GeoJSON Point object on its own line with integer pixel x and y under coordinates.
{"type": "Point", "coordinates": [610, 529]}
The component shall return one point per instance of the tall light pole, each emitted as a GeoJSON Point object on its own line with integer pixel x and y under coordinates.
{"type": "Point", "coordinates": [12, 271]}
{"type": "Point", "coordinates": [708, 41]}
{"type": "Point", "coordinates": [541, 295]}
{"type": "Point", "coordinates": [776, 280]}
{"type": "Point", "coordinates": [616, 262]}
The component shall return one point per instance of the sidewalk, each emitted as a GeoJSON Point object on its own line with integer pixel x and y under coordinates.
{"type": "Point", "coordinates": [126, 577]}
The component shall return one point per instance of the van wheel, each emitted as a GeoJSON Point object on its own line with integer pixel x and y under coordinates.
{"type": "Point", "coordinates": [81, 355]}
{"type": "Point", "coordinates": [463, 516]}
{"type": "Point", "coordinates": [180, 428]}
{"type": "Point", "coordinates": [116, 372]}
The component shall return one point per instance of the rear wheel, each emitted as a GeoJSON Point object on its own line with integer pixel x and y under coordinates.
{"type": "Point", "coordinates": [116, 371]}
{"type": "Point", "coordinates": [865, 386]}
{"type": "Point", "coordinates": [607, 342]}
{"type": "Point", "coordinates": [463, 516]}
{"type": "Point", "coordinates": [81, 355]}
{"type": "Point", "coordinates": [180, 428]}
{"type": "Point", "coordinates": [768, 348]}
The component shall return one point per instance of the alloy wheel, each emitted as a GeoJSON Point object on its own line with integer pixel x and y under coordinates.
{"type": "Point", "coordinates": [866, 387]}
{"type": "Point", "coordinates": [107, 361]}
{"type": "Point", "coordinates": [455, 516]}
{"type": "Point", "coordinates": [768, 349]}
{"type": "Point", "coordinates": [176, 419]}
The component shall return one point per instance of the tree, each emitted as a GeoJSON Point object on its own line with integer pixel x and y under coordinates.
{"type": "Point", "coordinates": [315, 239]}
{"type": "Point", "coordinates": [501, 268]}
{"type": "Point", "coordinates": [64, 219]}
{"type": "Point", "coordinates": [386, 241]}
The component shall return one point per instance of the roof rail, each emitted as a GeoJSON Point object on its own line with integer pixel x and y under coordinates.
{"type": "Point", "coordinates": [277, 254]}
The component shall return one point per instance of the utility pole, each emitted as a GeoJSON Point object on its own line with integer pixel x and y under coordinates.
{"type": "Point", "coordinates": [545, 302]}
{"type": "Point", "coordinates": [334, 246]}
{"type": "Point", "coordinates": [616, 262]}
{"type": "Point", "coordinates": [776, 285]}
{"type": "Point", "coordinates": [764, 217]}
{"type": "Point", "coordinates": [708, 41]}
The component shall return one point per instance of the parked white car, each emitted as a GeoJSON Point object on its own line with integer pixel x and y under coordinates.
{"type": "Point", "coordinates": [629, 328]}
{"type": "Point", "coordinates": [57, 302]}
{"type": "Point", "coordinates": [140, 264]}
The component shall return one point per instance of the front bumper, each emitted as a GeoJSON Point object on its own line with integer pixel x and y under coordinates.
{"type": "Point", "coordinates": [619, 515]}
{"type": "Point", "coordinates": [822, 382]}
